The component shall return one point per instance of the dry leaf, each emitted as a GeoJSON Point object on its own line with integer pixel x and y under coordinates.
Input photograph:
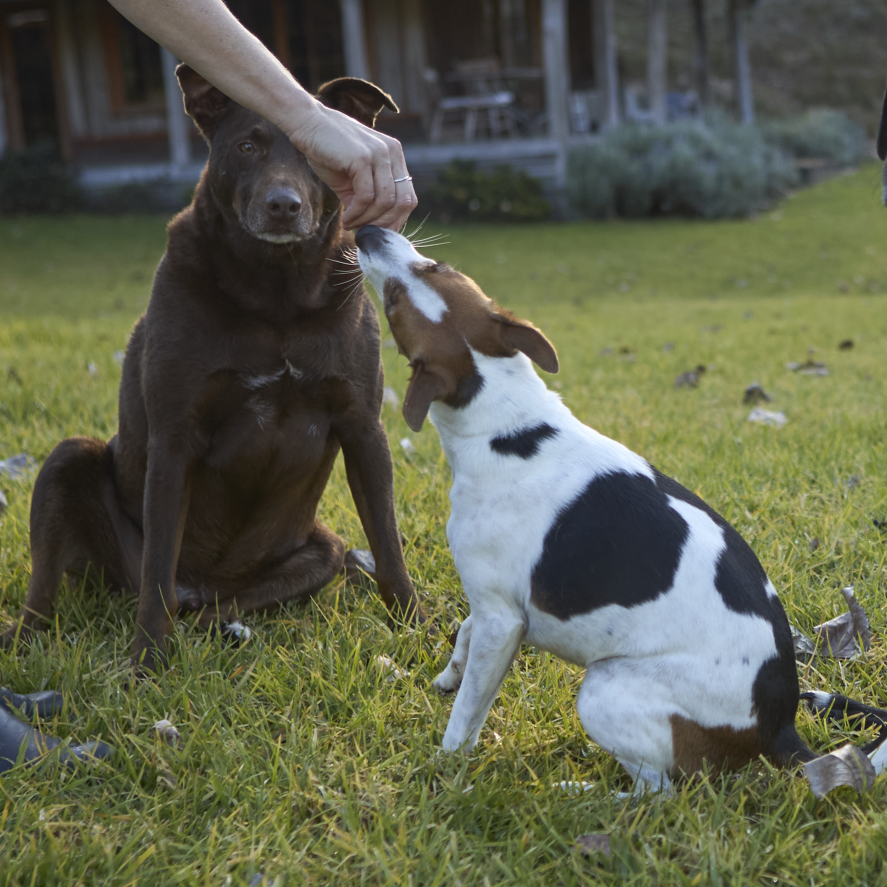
{"type": "Point", "coordinates": [755, 394]}
{"type": "Point", "coordinates": [589, 844]}
{"type": "Point", "coordinates": [846, 345]}
{"type": "Point", "coordinates": [814, 544]}
{"type": "Point", "coordinates": [846, 766]}
{"type": "Point", "coordinates": [767, 417]}
{"type": "Point", "coordinates": [805, 649]}
{"type": "Point", "coordinates": [848, 634]}
{"type": "Point", "coordinates": [164, 730]}
{"type": "Point", "coordinates": [16, 467]}
{"type": "Point", "coordinates": [359, 564]}
{"type": "Point", "coordinates": [389, 397]}
{"type": "Point", "coordinates": [392, 672]}
{"type": "Point", "coordinates": [691, 378]}
{"type": "Point", "coordinates": [809, 367]}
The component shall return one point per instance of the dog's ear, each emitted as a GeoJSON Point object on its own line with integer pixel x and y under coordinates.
{"type": "Point", "coordinates": [523, 336]}
{"type": "Point", "coordinates": [425, 387]}
{"type": "Point", "coordinates": [357, 98]}
{"type": "Point", "coordinates": [882, 132]}
{"type": "Point", "coordinates": [203, 102]}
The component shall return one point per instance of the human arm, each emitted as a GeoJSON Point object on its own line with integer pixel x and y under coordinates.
{"type": "Point", "coordinates": [358, 163]}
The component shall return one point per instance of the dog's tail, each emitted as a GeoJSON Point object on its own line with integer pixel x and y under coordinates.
{"type": "Point", "coordinates": [836, 707]}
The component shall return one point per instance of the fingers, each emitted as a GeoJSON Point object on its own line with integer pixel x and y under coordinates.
{"type": "Point", "coordinates": [390, 202]}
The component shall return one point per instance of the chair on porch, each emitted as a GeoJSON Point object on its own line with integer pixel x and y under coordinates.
{"type": "Point", "coordinates": [485, 94]}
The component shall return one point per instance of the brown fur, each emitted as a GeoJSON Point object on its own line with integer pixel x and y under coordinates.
{"type": "Point", "coordinates": [439, 354]}
{"type": "Point", "coordinates": [253, 365]}
{"type": "Point", "coordinates": [720, 748]}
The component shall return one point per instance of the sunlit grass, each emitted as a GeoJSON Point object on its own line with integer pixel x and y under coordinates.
{"type": "Point", "coordinates": [301, 760]}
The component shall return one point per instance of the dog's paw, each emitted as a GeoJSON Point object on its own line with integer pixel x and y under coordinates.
{"type": "Point", "coordinates": [234, 632]}
{"type": "Point", "coordinates": [448, 681]}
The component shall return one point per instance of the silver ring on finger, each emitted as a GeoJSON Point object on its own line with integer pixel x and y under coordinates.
{"type": "Point", "coordinates": [403, 179]}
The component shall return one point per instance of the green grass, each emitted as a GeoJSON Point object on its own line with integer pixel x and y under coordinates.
{"type": "Point", "coordinates": [301, 760]}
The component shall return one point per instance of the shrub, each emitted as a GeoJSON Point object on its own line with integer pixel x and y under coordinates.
{"type": "Point", "coordinates": [463, 193]}
{"type": "Point", "coordinates": [711, 168]}
{"type": "Point", "coordinates": [819, 134]}
{"type": "Point", "coordinates": [35, 181]}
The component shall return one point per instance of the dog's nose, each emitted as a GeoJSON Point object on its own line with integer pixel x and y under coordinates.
{"type": "Point", "coordinates": [282, 203]}
{"type": "Point", "coordinates": [366, 235]}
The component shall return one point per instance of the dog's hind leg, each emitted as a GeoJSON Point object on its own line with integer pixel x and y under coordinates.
{"type": "Point", "coordinates": [449, 680]}
{"type": "Point", "coordinates": [624, 714]}
{"type": "Point", "coordinates": [76, 522]}
{"type": "Point", "coordinates": [299, 576]}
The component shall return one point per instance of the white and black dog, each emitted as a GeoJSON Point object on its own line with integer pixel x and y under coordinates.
{"type": "Point", "coordinates": [566, 540]}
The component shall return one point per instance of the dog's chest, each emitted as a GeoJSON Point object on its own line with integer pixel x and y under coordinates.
{"type": "Point", "coordinates": [272, 418]}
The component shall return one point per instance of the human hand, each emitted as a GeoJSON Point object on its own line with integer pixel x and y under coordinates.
{"type": "Point", "coordinates": [360, 165]}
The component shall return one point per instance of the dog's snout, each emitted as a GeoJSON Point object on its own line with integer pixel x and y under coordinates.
{"type": "Point", "coordinates": [369, 235]}
{"type": "Point", "coordinates": [282, 203]}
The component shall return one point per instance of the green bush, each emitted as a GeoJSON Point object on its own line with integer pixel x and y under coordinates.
{"type": "Point", "coordinates": [710, 168]}
{"type": "Point", "coordinates": [464, 193]}
{"type": "Point", "coordinates": [35, 181]}
{"type": "Point", "coordinates": [824, 134]}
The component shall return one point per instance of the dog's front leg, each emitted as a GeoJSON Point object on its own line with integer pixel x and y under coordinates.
{"type": "Point", "coordinates": [495, 640]}
{"type": "Point", "coordinates": [164, 509]}
{"type": "Point", "coordinates": [371, 479]}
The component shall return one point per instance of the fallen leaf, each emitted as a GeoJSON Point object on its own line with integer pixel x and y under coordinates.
{"type": "Point", "coordinates": [767, 417]}
{"type": "Point", "coordinates": [805, 649]}
{"type": "Point", "coordinates": [846, 345]}
{"type": "Point", "coordinates": [691, 378]}
{"type": "Point", "coordinates": [852, 482]}
{"type": "Point", "coordinates": [359, 564]}
{"type": "Point", "coordinates": [392, 672]}
{"type": "Point", "coordinates": [755, 394]}
{"type": "Point", "coordinates": [846, 766]}
{"type": "Point", "coordinates": [809, 367]}
{"type": "Point", "coordinates": [589, 844]}
{"type": "Point", "coordinates": [814, 544]}
{"type": "Point", "coordinates": [16, 467]}
{"type": "Point", "coordinates": [845, 636]}
{"type": "Point", "coordinates": [390, 398]}
{"type": "Point", "coordinates": [164, 730]}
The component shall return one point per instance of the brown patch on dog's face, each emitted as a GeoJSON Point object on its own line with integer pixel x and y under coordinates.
{"type": "Point", "coordinates": [438, 317]}
{"type": "Point", "coordinates": [721, 748]}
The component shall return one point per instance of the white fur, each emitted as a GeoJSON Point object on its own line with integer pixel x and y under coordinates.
{"type": "Point", "coordinates": [397, 261]}
{"type": "Point", "coordinates": [684, 653]}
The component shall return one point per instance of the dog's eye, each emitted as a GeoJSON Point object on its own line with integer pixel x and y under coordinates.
{"type": "Point", "coordinates": [246, 148]}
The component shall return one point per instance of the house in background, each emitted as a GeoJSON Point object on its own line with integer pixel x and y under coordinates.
{"type": "Point", "coordinates": [490, 80]}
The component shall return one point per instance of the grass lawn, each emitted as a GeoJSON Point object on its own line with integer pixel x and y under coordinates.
{"type": "Point", "coordinates": [302, 761]}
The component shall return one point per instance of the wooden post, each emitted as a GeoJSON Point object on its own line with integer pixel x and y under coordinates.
{"type": "Point", "coordinates": [354, 39]}
{"type": "Point", "coordinates": [555, 64]}
{"type": "Point", "coordinates": [657, 60]}
{"type": "Point", "coordinates": [742, 68]}
{"type": "Point", "coordinates": [178, 123]}
{"type": "Point", "coordinates": [700, 52]}
{"type": "Point", "coordinates": [3, 137]}
{"type": "Point", "coordinates": [605, 69]}
{"type": "Point", "coordinates": [415, 60]}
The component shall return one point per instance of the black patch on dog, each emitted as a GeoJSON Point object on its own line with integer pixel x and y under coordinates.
{"type": "Point", "coordinates": [524, 442]}
{"type": "Point", "coordinates": [468, 389]}
{"type": "Point", "coordinates": [740, 579]}
{"type": "Point", "coordinates": [618, 542]}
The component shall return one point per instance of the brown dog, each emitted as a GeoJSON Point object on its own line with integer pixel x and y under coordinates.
{"type": "Point", "coordinates": [254, 363]}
